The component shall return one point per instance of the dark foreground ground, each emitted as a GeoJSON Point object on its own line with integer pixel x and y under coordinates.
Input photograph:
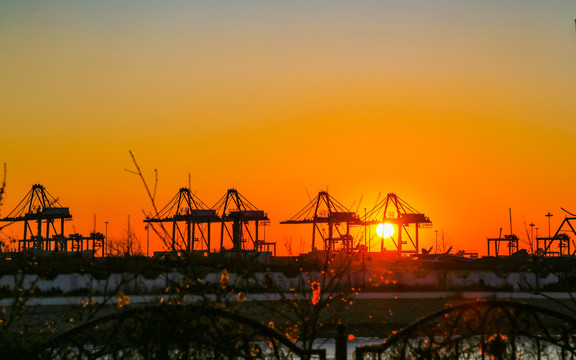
{"type": "Point", "coordinates": [363, 318]}
{"type": "Point", "coordinates": [378, 318]}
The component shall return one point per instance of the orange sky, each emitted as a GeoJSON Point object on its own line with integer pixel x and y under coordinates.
{"type": "Point", "coordinates": [464, 109]}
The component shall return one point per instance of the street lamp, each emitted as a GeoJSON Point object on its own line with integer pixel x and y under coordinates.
{"type": "Point", "coordinates": [549, 216]}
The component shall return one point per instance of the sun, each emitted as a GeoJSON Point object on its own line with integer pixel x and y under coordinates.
{"type": "Point", "coordinates": [385, 230]}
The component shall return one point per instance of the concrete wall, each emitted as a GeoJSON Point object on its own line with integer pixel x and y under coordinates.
{"type": "Point", "coordinates": [439, 280]}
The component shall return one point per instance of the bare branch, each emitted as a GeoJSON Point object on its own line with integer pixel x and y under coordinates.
{"type": "Point", "coordinates": [3, 185]}
{"type": "Point", "coordinates": [155, 182]}
{"type": "Point", "coordinates": [131, 171]}
{"type": "Point", "coordinates": [151, 196]}
{"type": "Point", "coordinates": [139, 172]}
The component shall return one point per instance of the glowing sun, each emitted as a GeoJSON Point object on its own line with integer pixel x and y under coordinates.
{"type": "Point", "coordinates": [385, 230]}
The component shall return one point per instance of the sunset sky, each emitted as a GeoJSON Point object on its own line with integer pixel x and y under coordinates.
{"type": "Point", "coordinates": [464, 109]}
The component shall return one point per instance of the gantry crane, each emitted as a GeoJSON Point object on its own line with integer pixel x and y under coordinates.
{"type": "Point", "coordinates": [560, 237]}
{"type": "Point", "coordinates": [235, 208]}
{"type": "Point", "coordinates": [43, 219]}
{"type": "Point", "coordinates": [395, 211]}
{"type": "Point", "coordinates": [39, 207]}
{"type": "Point", "coordinates": [324, 209]}
{"type": "Point", "coordinates": [187, 213]}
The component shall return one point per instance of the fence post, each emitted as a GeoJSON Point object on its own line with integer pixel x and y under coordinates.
{"type": "Point", "coordinates": [341, 352]}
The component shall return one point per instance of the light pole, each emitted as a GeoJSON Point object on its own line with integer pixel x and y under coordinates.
{"type": "Point", "coordinates": [365, 233]}
{"type": "Point", "coordinates": [148, 239]}
{"type": "Point", "coordinates": [364, 253]}
{"type": "Point", "coordinates": [105, 240]}
{"type": "Point", "coordinates": [436, 243]}
{"type": "Point", "coordinates": [532, 238]}
{"type": "Point", "coordinates": [549, 216]}
{"type": "Point", "coordinates": [537, 242]}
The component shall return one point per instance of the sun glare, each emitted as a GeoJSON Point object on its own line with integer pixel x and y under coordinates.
{"type": "Point", "coordinates": [385, 230]}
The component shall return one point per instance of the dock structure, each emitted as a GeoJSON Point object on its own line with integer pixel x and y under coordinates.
{"type": "Point", "coordinates": [190, 220]}
{"type": "Point", "coordinates": [393, 210]}
{"type": "Point", "coordinates": [510, 241]}
{"type": "Point", "coordinates": [560, 243]}
{"type": "Point", "coordinates": [43, 218]}
{"type": "Point", "coordinates": [326, 210]}
{"type": "Point", "coordinates": [246, 220]}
